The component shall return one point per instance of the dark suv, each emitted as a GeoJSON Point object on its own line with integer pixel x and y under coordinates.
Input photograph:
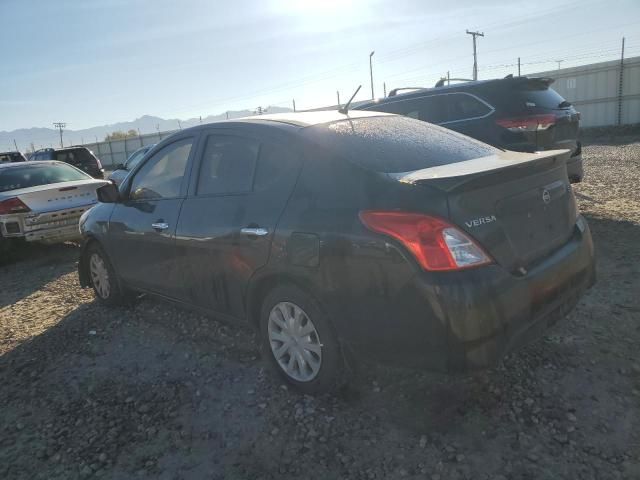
{"type": "Point", "coordinates": [337, 237]}
{"type": "Point", "coordinates": [79, 157]}
{"type": "Point", "coordinates": [514, 113]}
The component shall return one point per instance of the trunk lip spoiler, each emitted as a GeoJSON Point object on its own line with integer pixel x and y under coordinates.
{"type": "Point", "coordinates": [479, 165]}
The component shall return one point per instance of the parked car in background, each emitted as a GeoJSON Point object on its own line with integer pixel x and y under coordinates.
{"type": "Point", "coordinates": [79, 157]}
{"type": "Point", "coordinates": [43, 201]}
{"type": "Point", "coordinates": [122, 170]}
{"type": "Point", "coordinates": [338, 238]}
{"type": "Point", "coordinates": [9, 157]}
{"type": "Point", "coordinates": [515, 113]}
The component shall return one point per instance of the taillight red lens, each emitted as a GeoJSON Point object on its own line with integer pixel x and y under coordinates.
{"type": "Point", "coordinates": [527, 123]}
{"type": "Point", "coordinates": [436, 244]}
{"type": "Point", "coordinates": [13, 205]}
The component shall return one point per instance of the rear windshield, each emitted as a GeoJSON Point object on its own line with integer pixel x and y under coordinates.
{"type": "Point", "coordinates": [535, 96]}
{"type": "Point", "coordinates": [34, 175]}
{"type": "Point", "coordinates": [11, 157]}
{"type": "Point", "coordinates": [78, 157]}
{"type": "Point", "coordinates": [395, 144]}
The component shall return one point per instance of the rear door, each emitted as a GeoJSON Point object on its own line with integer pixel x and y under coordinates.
{"type": "Point", "coordinates": [228, 220]}
{"type": "Point", "coordinates": [142, 227]}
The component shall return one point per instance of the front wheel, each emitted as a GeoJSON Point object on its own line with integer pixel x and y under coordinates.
{"type": "Point", "coordinates": [299, 341]}
{"type": "Point", "coordinates": [103, 277]}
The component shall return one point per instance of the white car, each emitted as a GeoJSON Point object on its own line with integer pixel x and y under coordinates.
{"type": "Point", "coordinates": [43, 201]}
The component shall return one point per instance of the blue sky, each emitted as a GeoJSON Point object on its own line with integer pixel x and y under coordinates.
{"type": "Point", "coordinates": [94, 62]}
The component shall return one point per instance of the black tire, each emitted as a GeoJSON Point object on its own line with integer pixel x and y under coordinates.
{"type": "Point", "coordinates": [330, 375]}
{"type": "Point", "coordinates": [115, 295]}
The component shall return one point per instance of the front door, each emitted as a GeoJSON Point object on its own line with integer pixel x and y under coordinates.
{"type": "Point", "coordinates": [142, 227]}
{"type": "Point", "coordinates": [228, 219]}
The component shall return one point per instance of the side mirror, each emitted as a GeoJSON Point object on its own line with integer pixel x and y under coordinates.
{"type": "Point", "coordinates": [108, 193]}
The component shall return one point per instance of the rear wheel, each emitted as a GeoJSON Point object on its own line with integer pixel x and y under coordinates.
{"type": "Point", "coordinates": [299, 341]}
{"type": "Point", "coordinates": [103, 277]}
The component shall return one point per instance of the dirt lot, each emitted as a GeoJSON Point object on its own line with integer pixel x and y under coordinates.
{"type": "Point", "coordinates": [155, 392]}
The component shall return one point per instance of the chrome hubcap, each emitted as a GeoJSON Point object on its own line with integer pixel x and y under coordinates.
{"type": "Point", "coordinates": [99, 275]}
{"type": "Point", "coordinates": [294, 341]}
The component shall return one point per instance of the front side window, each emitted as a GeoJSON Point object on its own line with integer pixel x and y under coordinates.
{"type": "Point", "coordinates": [135, 159]}
{"type": "Point", "coordinates": [228, 165]}
{"type": "Point", "coordinates": [161, 176]}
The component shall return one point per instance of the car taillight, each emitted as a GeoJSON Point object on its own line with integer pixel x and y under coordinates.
{"type": "Point", "coordinates": [13, 205]}
{"type": "Point", "coordinates": [436, 244]}
{"type": "Point", "coordinates": [528, 123]}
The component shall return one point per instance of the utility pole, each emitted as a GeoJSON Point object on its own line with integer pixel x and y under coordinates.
{"type": "Point", "coordinates": [371, 73]}
{"type": "Point", "coordinates": [384, 89]}
{"type": "Point", "coordinates": [518, 66]}
{"type": "Point", "coordinates": [475, 53]}
{"type": "Point", "coordinates": [200, 119]}
{"type": "Point", "coordinates": [559, 62]}
{"type": "Point", "coordinates": [294, 104]}
{"type": "Point", "coordinates": [179, 125]}
{"type": "Point", "coordinates": [60, 126]}
{"type": "Point", "coordinates": [227, 113]}
{"type": "Point", "coordinates": [338, 93]}
{"type": "Point", "coordinates": [16, 145]}
{"type": "Point", "coordinates": [448, 77]}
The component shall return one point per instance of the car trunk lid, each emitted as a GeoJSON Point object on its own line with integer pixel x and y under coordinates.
{"type": "Point", "coordinates": [60, 196]}
{"type": "Point", "coordinates": [518, 206]}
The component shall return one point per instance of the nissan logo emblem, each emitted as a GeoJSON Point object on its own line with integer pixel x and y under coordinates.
{"type": "Point", "coordinates": [546, 196]}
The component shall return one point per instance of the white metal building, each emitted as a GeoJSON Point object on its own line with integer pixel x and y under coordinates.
{"type": "Point", "coordinates": [596, 91]}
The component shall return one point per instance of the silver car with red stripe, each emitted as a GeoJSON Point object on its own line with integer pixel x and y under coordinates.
{"type": "Point", "coordinates": [43, 201]}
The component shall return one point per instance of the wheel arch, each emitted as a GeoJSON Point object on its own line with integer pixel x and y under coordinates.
{"type": "Point", "coordinates": [260, 288]}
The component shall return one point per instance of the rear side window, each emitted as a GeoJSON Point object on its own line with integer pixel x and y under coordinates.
{"type": "Point", "coordinates": [227, 165]}
{"type": "Point", "coordinates": [428, 109]}
{"type": "Point", "coordinates": [461, 106]}
{"type": "Point", "coordinates": [276, 165]}
{"type": "Point", "coordinates": [34, 175]}
{"type": "Point", "coordinates": [395, 144]}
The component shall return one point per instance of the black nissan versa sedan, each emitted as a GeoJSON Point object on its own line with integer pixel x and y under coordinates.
{"type": "Point", "coordinates": [343, 236]}
{"type": "Point", "coordinates": [517, 113]}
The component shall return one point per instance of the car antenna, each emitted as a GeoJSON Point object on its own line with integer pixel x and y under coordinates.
{"type": "Point", "coordinates": [345, 109]}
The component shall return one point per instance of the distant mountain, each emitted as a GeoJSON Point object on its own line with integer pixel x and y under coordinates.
{"type": "Point", "coordinates": [45, 137]}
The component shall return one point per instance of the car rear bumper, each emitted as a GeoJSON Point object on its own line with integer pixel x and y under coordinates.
{"type": "Point", "coordinates": [44, 227]}
{"type": "Point", "coordinates": [495, 312]}
{"type": "Point", "coordinates": [468, 320]}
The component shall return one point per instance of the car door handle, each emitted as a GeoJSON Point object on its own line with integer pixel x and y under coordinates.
{"type": "Point", "coordinates": [257, 232]}
{"type": "Point", "coordinates": [160, 226]}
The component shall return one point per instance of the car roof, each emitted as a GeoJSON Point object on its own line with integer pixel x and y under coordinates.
{"type": "Point", "coordinates": [470, 85]}
{"type": "Point", "coordinates": [31, 163]}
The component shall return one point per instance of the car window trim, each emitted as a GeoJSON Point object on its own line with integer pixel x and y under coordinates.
{"type": "Point", "coordinates": [222, 132]}
{"type": "Point", "coordinates": [187, 171]}
{"type": "Point", "coordinates": [466, 119]}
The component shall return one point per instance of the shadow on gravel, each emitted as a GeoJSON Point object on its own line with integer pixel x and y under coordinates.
{"type": "Point", "coordinates": [31, 267]}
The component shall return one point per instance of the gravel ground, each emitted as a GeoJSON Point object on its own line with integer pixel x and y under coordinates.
{"type": "Point", "coordinates": [155, 392]}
